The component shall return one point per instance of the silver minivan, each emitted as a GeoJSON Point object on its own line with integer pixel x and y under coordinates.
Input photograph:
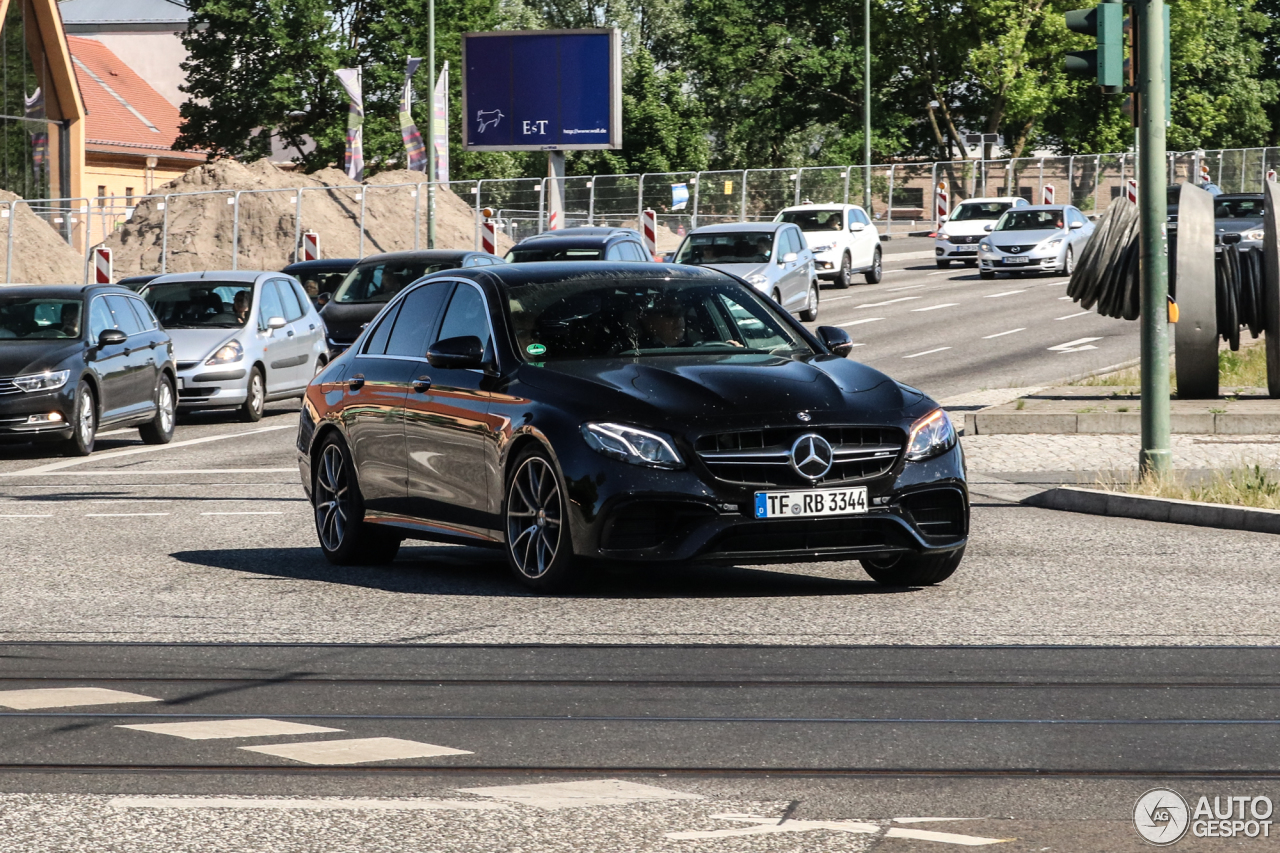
{"type": "Point", "coordinates": [773, 257]}
{"type": "Point", "coordinates": [240, 338]}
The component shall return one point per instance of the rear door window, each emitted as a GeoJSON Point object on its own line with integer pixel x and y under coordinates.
{"type": "Point", "coordinates": [143, 311]}
{"type": "Point", "coordinates": [100, 318]}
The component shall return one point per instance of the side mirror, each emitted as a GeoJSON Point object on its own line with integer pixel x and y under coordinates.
{"type": "Point", "coordinates": [1075, 225]}
{"type": "Point", "coordinates": [789, 258]}
{"type": "Point", "coordinates": [111, 337]}
{"type": "Point", "coordinates": [988, 227]}
{"type": "Point", "coordinates": [276, 323]}
{"type": "Point", "coordinates": [462, 353]}
{"type": "Point", "coordinates": [857, 226]}
{"type": "Point", "coordinates": [942, 219]}
{"type": "Point", "coordinates": [836, 339]}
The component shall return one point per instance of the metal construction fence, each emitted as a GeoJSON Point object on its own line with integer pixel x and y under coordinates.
{"type": "Point", "coordinates": [899, 197]}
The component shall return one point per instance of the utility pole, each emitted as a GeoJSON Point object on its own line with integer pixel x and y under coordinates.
{"type": "Point", "coordinates": [431, 142]}
{"type": "Point", "coordinates": [1156, 455]}
{"type": "Point", "coordinates": [866, 105]}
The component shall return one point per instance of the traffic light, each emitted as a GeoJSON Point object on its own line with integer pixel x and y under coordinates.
{"type": "Point", "coordinates": [1106, 22]}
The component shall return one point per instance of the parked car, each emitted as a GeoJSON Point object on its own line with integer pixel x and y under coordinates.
{"type": "Point", "coordinates": [842, 238]}
{"type": "Point", "coordinates": [321, 278]}
{"type": "Point", "coordinates": [135, 282]}
{"type": "Point", "coordinates": [241, 338]}
{"type": "Point", "coordinates": [584, 243]}
{"type": "Point", "coordinates": [772, 257]}
{"type": "Point", "coordinates": [375, 280]}
{"type": "Point", "coordinates": [74, 359]}
{"type": "Point", "coordinates": [628, 414]}
{"type": "Point", "coordinates": [1238, 219]}
{"type": "Point", "coordinates": [1040, 238]}
{"type": "Point", "coordinates": [959, 236]}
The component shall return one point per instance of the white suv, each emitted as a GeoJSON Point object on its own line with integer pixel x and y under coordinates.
{"type": "Point", "coordinates": [842, 239]}
{"type": "Point", "coordinates": [958, 238]}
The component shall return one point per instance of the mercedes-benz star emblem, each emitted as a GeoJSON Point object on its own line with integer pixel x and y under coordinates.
{"type": "Point", "coordinates": [804, 416]}
{"type": "Point", "coordinates": [811, 455]}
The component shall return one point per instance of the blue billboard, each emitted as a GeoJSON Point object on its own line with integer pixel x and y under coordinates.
{"type": "Point", "coordinates": [542, 90]}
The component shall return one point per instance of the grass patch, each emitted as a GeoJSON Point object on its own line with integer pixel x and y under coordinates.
{"type": "Point", "coordinates": [1246, 368]}
{"type": "Point", "coordinates": [1247, 485]}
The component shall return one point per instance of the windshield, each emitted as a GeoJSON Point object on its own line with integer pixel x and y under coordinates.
{"type": "Point", "coordinates": [593, 319]}
{"type": "Point", "coordinates": [731, 247]}
{"type": "Point", "coordinates": [1237, 208]}
{"type": "Point", "coordinates": [533, 254]}
{"type": "Point", "coordinates": [35, 318]}
{"type": "Point", "coordinates": [380, 282]}
{"type": "Point", "coordinates": [1030, 220]}
{"type": "Point", "coordinates": [200, 304]}
{"type": "Point", "coordinates": [813, 220]}
{"type": "Point", "coordinates": [979, 210]}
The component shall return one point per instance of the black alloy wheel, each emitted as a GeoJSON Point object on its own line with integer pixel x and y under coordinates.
{"type": "Point", "coordinates": [345, 537]}
{"type": "Point", "coordinates": [876, 272]}
{"type": "Point", "coordinates": [255, 397]}
{"type": "Point", "coordinates": [159, 430]}
{"type": "Point", "coordinates": [538, 549]}
{"type": "Point", "coordinates": [906, 569]}
{"type": "Point", "coordinates": [84, 422]}
{"type": "Point", "coordinates": [845, 277]}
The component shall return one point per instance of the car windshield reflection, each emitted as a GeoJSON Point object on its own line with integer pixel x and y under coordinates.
{"type": "Point", "coordinates": [1030, 220]}
{"type": "Point", "coordinates": [734, 247]}
{"type": "Point", "coordinates": [39, 319]}
{"type": "Point", "coordinates": [200, 305]}
{"type": "Point", "coordinates": [380, 282]}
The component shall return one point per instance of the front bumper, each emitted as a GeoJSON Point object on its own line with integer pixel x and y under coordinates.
{"type": "Point", "coordinates": [1034, 261]}
{"type": "Point", "coordinates": [25, 417]}
{"type": "Point", "coordinates": [205, 387]}
{"type": "Point", "coordinates": [945, 250]}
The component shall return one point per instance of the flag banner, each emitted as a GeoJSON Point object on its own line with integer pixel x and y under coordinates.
{"type": "Point", "coordinates": [415, 151]}
{"type": "Point", "coordinates": [350, 80]}
{"type": "Point", "coordinates": [440, 125]}
{"type": "Point", "coordinates": [679, 196]}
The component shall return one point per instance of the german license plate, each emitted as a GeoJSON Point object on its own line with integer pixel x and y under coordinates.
{"type": "Point", "coordinates": [1017, 260]}
{"type": "Point", "coordinates": [966, 248]}
{"type": "Point", "coordinates": [810, 503]}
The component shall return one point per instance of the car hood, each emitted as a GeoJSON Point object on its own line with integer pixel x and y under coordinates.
{"type": "Point", "coordinates": [701, 388]}
{"type": "Point", "coordinates": [1024, 238]}
{"type": "Point", "coordinates": [1236, 226]}
{"type": "Point", "coordinates": [198, 344]}
{"type": "Point", "coordinates": [21, 357]}
{"type": "Point", "coordinates": [344, 321]}
{"type": "Point", "coordinates": [741, 270]}
{"type": "Point", "coordinates": [967, 228]}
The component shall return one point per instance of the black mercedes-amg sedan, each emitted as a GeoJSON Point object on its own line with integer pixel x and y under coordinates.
{"type": "Point", "coordinates": [575, 414]}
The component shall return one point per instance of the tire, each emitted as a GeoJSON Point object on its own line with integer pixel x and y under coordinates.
{"type": "Point", "coordinates": [876, 272]}
{"type": "Point", "coordinates": [159, 430]}
{"type": "Point", "coordinates": [810, 314]}
{"type": "Point", "coordinates": [1069, 262]}
{"type": "Point", "coordinates": [534, 515]}
{"type": "Point", "coordinates": [913, 569]}
{"type": "Point", "coordinates": [986, 275]}
{"type": "Point", "coordinates": [321, 364]}
{"type": "Point", "coordinates": [942, 265]}
{"type": "Point", "coordinates": [84, 422]}
{"type": "Point", "coordinates": [777, 297]}
{"type": "Point", "coordinates": [345, 537]}
{"type": "Point", "coordinates": [255, 397]}
{"type": "Point", "coordinates": [844, 278]}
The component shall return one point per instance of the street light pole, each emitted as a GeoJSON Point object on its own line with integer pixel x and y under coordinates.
{"type": "Point", "coordinates": [431, 125]}
{"type": "Point", "coordinates": [866, 105]}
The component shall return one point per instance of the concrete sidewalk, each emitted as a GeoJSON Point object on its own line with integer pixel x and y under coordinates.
{"type": "Point", "coordinates": [1087, 455]}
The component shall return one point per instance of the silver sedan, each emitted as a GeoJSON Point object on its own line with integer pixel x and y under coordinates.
{"type": "Point", "coordinates": [1034, 239]}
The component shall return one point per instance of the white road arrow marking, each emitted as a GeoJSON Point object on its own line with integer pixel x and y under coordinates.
{"type": "Point", "coordinates": [1078, 345]}
{"type": "Point", "coordinates": [770, 826]}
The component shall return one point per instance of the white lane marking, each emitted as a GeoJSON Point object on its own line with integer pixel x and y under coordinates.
{"type": "Point", "coordinates": [860, 322]}
{"type": "Point", "coordinates": [1075, 346]}
{"type": "Point", "coordinates": [308, 805]}
{"type": "Point", "coordinates": [67, 697]}
{"type": "Point", "coordinates": [857, 345]}
{"type": "Point", "coordinates": [887, 302]}
{"type": "Point", "coordinates": [828, 299]}
{"type": "Point", "coordinates": [770, 826]}
{"type": "Point", "coordinates": [926, 352]}
{"type": "Point", "coordinates": [120, 515]}
{"type": "Point", "coordinates": [246, 512]}
{"type": "Point", "coordinates": [943, 837]}
{"type": "Point", "coordinates": [355, 750]}
{"type": "Point", "coordinates": [214, 729]}
{"type": "Point", "coordinates": [931, 819]}
{"type": "Point", "coordinates": [908, 287]}
{"type": "Point", "coordinates": [1063, 298]}
{"type": "Point", "coordinates": [115, 454]}
{"type": "Point", "coordinates": [909, 256]}
{"type": "Point", "coordinates": [123, 472]}
{"type": "Point", "coordinates": [1001, 334]}
{"type": "Point", "coordinates": [1006, 293]}
{"type": "Point", "coordinates": [592, 792]}
{"type": "Point", "coordinates": [940, 272]}
{"type": "Point", "coordinates": [935, 307]}
{"type": "Point", "coordinates": [44, 515]}
{"type": "Point", "coordinates": [1077, 314]}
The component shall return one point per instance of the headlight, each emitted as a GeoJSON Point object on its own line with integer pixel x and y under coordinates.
{"type": "Point", "coordinates": [1053, 244]}
{"type": "Point", "coordinates": [227, 353]}
{"type": "Point", "coordinates": [1257, 234]}
{"type": "Point", "coordinates": [984, 246]}
{"type": "Point", "coordinates": [946, 238]}
{"type": "Point", "coordinates": [47, 381]}
{"type": "Point", "coordinates": [637, 446]}
{"type": "Point", "coordinates": [758, 279]}
{"type": "Point", "coordinates": [930, 436]}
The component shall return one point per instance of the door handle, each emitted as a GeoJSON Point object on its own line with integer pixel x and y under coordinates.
{"type": "Point", "coordinates": [355, 383]}
{"type": "Point", "coordinates": [289, 333]}
{"type": "Point", "coordinates": [422, 385]}
{"type": "Point", "coordinates": [312, 327]}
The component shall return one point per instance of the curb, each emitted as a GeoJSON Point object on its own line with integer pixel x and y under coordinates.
{"type": "Point", "coordinates": [1116, 423]}
{"type": "Point", "coordinates": [1116, 505]}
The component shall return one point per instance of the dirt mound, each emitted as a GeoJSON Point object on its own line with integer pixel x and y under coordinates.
{"type": "Point", "coordinates": [202, 229]}
{"type": "Point", "coordinates": [40, 255]}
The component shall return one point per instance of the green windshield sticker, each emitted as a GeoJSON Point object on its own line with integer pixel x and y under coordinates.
{"type": "Point", "coordinates": [535, 349]}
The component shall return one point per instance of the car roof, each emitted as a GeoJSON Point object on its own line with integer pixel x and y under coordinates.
{"type": "Point", "coordinates": [422, 255]}
{"type": "Point", "coordinates": [1045, 207]}
{"type": "Point", "coordinates": [60, 291]}
{"type": "Point", "coordinates": [570, 241]}
{"type": "Point", "coordinates": [732, 227]}
{"type": "Point", "coordinates": [1252, 196]}
{"type": "Point", "coordinates": [248, 276]}
{"type": "Point", "coordinates": [584, 231]}
{"type": "Point", "coordinates": [322, 265]}
{"type": "Point", "coordinates": [816, 205]}
{"type": "Point", "coordinates": [1002, 198]}
{"type": "Point", "coordinates": [555, 272]}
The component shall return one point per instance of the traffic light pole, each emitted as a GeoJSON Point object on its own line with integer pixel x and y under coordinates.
{"type": "Point", "coordinates": [1156, 455]}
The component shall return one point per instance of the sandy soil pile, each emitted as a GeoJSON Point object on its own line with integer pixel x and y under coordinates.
{"type": "Point", "coordinates": [201, 227]}
{"type": "Point", "coordinates": [40, 255]}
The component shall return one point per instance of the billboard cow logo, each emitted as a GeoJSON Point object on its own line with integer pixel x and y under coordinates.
{"type": "Point", "coordinates": [488, 119]}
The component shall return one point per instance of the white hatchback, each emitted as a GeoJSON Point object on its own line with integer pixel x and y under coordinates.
{"type": "Point", "coordinates": [963, 230]}
{"type": "Point", "coordinates": [842, 239]}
